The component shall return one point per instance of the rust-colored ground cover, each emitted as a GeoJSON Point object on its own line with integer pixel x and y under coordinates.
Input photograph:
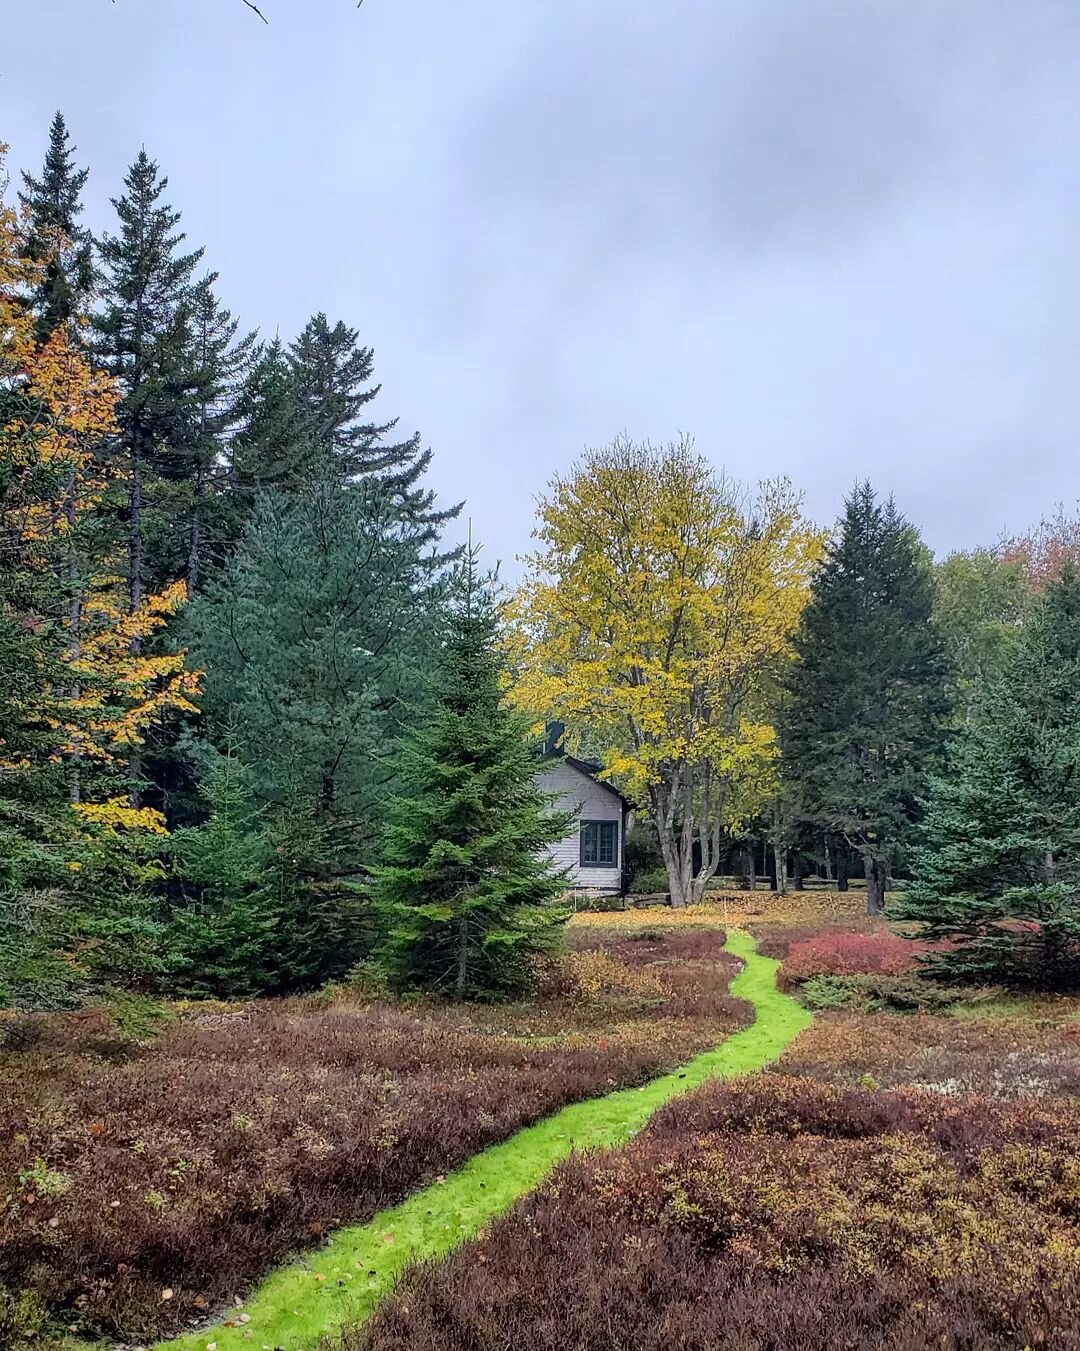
{"type": "Point", "coordinates": [779, 1214]}
{"type": "Point", "coordinates": [143, 1184]}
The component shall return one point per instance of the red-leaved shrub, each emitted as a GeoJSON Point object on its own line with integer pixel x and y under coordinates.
{"type": "Point", "coordinates": [848, 954]}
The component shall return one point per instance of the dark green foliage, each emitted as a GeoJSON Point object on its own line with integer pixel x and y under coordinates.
{"type": "Point", "coordinates": [863, 721]}
{"type": "Point", "coordinates": [311, 637]}
{"type": "Point", "coordinates": [223, 936]}
{"type": "Point", "coordinates": [221, 363]}
{"type": "Point", "coordinates": [466, 892]}
{"type": "Point", "coordinates": [272, 448]}
{"type": "Point", "coordinates": [331, 374]}
{"type": "Point", "coordinates": [54, 205]}
{"type": "Point", "coordinates": [877, 993]}
{"type": "Point", "coordinates": [1000, 871]}
{"type": "Point", "coordinates": [145, 342]}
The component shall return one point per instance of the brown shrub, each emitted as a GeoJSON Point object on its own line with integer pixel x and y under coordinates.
{"type": "Point", "coordinates": [780, 1214]}
{"type": "Point", "coordinates": [198, 1161]}
{"type": "Point", "coordinates": [1001, 1057]}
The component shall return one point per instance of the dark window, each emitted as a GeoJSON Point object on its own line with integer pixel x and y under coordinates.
{"type": "Point", "coordinates": [599, 844]}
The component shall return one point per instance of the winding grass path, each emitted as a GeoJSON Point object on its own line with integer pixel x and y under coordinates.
{"type": "Point", "coordinates": [344, 1280]}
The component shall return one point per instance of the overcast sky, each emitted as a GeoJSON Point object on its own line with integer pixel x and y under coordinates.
{"type": "Point", "coordinates": [829, 238]}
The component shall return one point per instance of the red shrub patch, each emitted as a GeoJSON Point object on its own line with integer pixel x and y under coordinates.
{"type": "Point", "coordinates": [847, 954]}
{"type": "Point", "coordinates": [778, 1215]}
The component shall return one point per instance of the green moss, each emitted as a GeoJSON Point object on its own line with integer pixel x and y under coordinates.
{"type": "Point", "coordinates": [344, 1280]}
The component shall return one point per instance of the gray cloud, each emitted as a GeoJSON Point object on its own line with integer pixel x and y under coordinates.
{"type": "Point", "coordinates": [828, 237]}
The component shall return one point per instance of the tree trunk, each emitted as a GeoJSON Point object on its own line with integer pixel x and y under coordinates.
{"type": "Point", "coordinates": [828, 861]}
{"type": "Point", "coordinates": [194, 548]}
{"type": "Point", "coordinates": [841, 868]}
{"type": "Point", "coordinates": [797, 870]}
{"type": "Point", "coordinates": [74, 623]}
{"type": "Point", "coordinates": [676, 846]}
{"type": "Point", "coordinates": [875, 887]}
{"type": "Point", "coordinates": [779, 856]}
{"type": "Point", "coordinates": [462, 960]}
{"type": "Point", "coordinates": [135, 539]}
{"type": "Point", "coordinates": [752, 868]}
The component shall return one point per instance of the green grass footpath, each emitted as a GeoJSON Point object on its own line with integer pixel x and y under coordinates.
{"type": "Point", "coordinates": [344, 1280]}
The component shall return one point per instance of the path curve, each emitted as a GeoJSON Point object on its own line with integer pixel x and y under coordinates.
{"type": "Point", "coordinates": [343, 1280]}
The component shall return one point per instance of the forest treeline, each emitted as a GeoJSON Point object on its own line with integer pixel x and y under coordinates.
{"type": "Point", "coordinates": [242, 675]}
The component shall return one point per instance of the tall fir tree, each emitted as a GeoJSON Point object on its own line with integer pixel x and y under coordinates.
{"type": "Point", "coordinates": [999, 873]}
{"type": "Point", "coordinates": [272, 448]}
{"type": "Point", "coordinates": [467, 892]}
{"type": "Point", "coordinates": [866, 694]}
{"type": "Point", "coordinates": [331, 375]}
{"type": "Point", "coordinates": [55, 238]}
{"type": "Point", "coordinates": [222, 362]}
{"type": "Point", "coordinates": [145, 341]}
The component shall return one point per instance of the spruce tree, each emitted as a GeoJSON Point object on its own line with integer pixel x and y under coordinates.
{"type": "Point", "coordinates": [55, 237]}
{"type": "Point", "coordinates": [145, 341]}
{"type": "Point", "coordinates": [311, 638]}
{"type": "Point", "coordinates": [999, 873]}
{"type": "Point", "coordinates": [222, 362]}
{"type": "Point", "coordinates": [866, 694]}
{"type": "Point", "coordinates": [331, 375]}
{"type": "Point", "coordinates": [271, 448]}
{"type": "Point", "coordinates": [466, 892]}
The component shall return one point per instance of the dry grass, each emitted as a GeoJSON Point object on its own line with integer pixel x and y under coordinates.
{"type": "Point", "coordinates": [737, 909]}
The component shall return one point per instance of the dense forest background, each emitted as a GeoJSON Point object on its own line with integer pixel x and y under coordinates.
{"type": "Point", "coordinates": [227, 607]}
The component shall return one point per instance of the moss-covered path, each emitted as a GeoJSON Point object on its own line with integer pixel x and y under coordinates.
{"type": "Point", "coordinates": [343, 1281]}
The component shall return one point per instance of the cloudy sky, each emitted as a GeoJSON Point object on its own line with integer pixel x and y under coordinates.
{"type": "Point", "coordinates": [829, 238]}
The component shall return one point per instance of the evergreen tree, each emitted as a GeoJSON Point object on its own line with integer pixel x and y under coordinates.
{"type": "Point", "coordinates": [999, 874]}
{"type": "Point", "coordinates": [467, 893]}
{"type": "Point", "coordinates": [863, 721]}
{"type": "Point", "coordinates": [271, 449]}
{"type": "Point", "coordinates": [311, 637]}
{"type": "Point", "coordinates": [224, 935]}
{"type": "Point", "coordinates": [222, 363]}
{"type": "Point", "coordinates": [331, 375]}
{"type": "Point", "coordinates": [145, 341]}
{"type": "Point", "coordinates": [55, 238]}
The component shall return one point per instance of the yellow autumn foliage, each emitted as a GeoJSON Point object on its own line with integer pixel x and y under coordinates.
{"type": "Point", "coordinates": [655, 618]}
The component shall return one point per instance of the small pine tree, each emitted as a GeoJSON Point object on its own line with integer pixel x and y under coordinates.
{"type": "Point", "coordinates": [466, 892]}
{"type": "Point", "coordinates": [999, 874]}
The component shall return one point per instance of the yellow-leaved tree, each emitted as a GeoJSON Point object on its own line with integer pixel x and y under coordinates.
{"type": "Point", "coordinates": [655, 618]}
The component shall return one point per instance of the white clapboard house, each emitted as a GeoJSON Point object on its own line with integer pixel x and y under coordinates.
{"type": "Point", "coordinates": [594, 853]}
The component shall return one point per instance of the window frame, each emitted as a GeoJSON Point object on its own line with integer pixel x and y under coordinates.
{"type": "Point", "coordinates": [597, 824]}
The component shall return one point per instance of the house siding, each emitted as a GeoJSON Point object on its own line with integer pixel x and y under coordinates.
{"type": "Point", "coordinates": [589, 800]}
